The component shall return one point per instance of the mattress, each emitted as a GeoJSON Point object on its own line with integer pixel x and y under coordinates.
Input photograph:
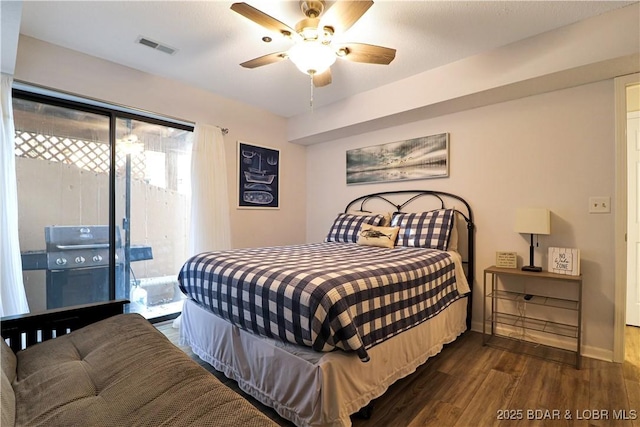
{"type": "Point", "coordinates": [325, 295]}
{"type": "Point", "coordinates": [312, 388]}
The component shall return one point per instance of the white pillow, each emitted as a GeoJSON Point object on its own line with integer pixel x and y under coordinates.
{"type": "Point", "coordinates": [383, 237]}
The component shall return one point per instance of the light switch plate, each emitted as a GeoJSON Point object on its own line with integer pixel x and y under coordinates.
{"type": "Point", "coordinates": [599, 204]}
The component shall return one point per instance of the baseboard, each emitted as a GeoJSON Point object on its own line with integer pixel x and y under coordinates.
{"type": "Point", "coordinates": [551, 340]}
{"type": "Point", "coordinates": [597, 353]}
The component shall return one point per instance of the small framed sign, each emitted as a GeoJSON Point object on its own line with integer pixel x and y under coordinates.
{"type": "Point", "coordinates": [507, 259]}
{"type": "Point", "coordinates": [564, 261]}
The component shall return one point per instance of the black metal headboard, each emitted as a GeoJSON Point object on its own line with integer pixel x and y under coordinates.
{"type": "Point", "coordinates": [411, 195]}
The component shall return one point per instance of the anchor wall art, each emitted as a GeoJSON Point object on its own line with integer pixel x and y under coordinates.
{"type": "Point", "coordinates": [258, 176]}
{"type": "Point", "coordinates": [418, 158]}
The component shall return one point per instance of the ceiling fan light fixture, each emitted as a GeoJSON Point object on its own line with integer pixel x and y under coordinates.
{"type": "Point", "coordinates": [311, 56]}
{"type": "Point", "coordinates": [314, 52]}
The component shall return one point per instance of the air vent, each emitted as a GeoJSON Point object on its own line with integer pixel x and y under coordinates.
{"type": "Point", "coordinates": [155, 45]}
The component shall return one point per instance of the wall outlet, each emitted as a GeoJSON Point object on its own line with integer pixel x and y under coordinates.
{"type": "Point", "coordinates": [599, 204]}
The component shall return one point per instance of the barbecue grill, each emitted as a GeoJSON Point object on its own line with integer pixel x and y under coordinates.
{"type": "Point", "coordinates": [76, 260]}
{"type": "Point", "coordinates": [78, 265]}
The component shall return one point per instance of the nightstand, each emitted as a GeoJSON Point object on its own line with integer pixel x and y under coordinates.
{"type": "Point", "coordinates": [521, 320]}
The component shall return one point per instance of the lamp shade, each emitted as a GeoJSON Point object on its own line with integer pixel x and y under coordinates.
{"type": "Point", "coordinates": [533, 221]}
{"type": "Point", "coordinates": [311, 56]}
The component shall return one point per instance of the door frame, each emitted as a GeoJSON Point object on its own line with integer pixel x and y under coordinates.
{"type": "Point", "coordinates": [620, 227]}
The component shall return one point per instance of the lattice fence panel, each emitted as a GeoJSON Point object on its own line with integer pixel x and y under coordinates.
{"type": "Point", "coordinates": [88, 155]}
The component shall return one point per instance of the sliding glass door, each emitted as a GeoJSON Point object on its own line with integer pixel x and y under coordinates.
{"type": "Point", "coordinates": [102, 200]}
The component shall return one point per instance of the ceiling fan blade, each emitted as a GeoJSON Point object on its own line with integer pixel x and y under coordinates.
{"type": "Point", "coordinates": [264, 60]}
{"type": "Point", "coordinates": [262, 18]}
{"type": "Point", "coordinates": [367, 53]}
{"type": "Point", "coordinates": [322, 79]}
{"type": "Point", "coordinates": [343, 14]}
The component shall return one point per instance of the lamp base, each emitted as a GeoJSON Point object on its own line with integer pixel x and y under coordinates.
{"type": "Point", "coordinates": [532, 268]}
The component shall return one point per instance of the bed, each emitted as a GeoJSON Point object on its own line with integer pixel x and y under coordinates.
{"type": "Point", "coordinates": [317, 331]}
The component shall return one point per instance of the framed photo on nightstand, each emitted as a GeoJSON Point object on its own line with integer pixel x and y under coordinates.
{"type": "Point", "coordinates": [507, 259]}
{"type": "Point", "coordinates": [564, 261]}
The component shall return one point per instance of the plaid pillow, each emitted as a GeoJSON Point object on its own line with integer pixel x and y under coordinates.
{"type": "Point", "coordinates": [346, 227]}
{"type": "Point", "coordinates": [426, 229]}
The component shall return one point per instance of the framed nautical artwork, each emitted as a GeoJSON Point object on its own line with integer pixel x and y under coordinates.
{"type": "Point", "coordinates": [417, 158]}
{"type": "Point", "coordinates": [564, 261]}
{"type": "Point", "coordinates": [258, 177]}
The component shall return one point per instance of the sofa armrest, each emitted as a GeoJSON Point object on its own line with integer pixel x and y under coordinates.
{"type": "Point", "coordinates": [23, 330]}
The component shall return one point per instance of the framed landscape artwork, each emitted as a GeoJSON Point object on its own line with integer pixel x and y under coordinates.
{"type": "Point", "coordinates": [258, 177]}
{"type": "Point", "coordinates": [418, 158]}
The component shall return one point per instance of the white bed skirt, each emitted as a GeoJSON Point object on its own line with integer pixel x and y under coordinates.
{"type": "Point", "coordinates": [307, 387]}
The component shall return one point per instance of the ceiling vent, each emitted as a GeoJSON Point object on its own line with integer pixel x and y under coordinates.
{"type": "Point", "coordinates": [156, 45]}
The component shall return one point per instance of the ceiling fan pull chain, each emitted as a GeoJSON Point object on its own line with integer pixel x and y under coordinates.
{"type": "Point", "coordinates": [311, 95]}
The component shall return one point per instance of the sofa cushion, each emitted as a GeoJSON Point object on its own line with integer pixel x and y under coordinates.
{"type": "Point", "coordinates": [122, 371]}
{"type": "Point", "coordinates": [7, 396]}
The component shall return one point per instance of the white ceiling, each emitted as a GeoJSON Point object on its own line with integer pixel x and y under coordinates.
{"type": "Point", "coordinates": [212, 40]}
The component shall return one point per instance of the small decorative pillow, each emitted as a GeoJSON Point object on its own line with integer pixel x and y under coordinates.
{"type": "Point", "coordinates": [384, 237]}
{"type": "Point", "coordinates": [426, 229]}
{"type": "Point", "coordinates": [345, 228]}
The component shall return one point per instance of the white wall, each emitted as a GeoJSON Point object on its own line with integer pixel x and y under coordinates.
{"type": "Point", "coordinates": [58, 68]}
{"type": "Point", "coordinates": [10, 14]}
{"type": "Point", "coordinates": [552, 150]}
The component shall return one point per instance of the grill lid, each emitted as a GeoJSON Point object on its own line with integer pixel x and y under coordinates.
{"type": "Point", "coordinates": [79, 246]}
{"type": "Point", "coordinates": [67, 237]}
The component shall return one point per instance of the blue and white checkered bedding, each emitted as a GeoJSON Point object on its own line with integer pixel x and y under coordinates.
{"type": "Point", "coordinates": [323, 295]}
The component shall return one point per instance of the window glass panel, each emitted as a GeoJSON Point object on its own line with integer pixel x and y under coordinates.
{"type": "Point", "coordinates": [152, 201]}
{"type": "Point", "coordinates": [62, 168]}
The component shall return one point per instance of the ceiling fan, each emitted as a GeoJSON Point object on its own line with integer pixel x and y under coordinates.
{"type": "Point", "coordinates": [314, 51]}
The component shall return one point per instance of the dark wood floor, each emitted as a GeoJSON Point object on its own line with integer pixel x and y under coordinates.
{"type": "Point", "coordinates": [469, 384]}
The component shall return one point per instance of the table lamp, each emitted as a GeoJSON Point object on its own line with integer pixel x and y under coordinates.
{"type": "Point", "coordinates": [532, 221]}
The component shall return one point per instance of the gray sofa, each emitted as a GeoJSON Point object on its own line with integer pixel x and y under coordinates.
{"type": "Point", "coordinates": [119, 371]}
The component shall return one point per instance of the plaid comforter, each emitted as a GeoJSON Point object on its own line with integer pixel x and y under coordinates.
{"type": "Point", "coordinates": [323, 295]}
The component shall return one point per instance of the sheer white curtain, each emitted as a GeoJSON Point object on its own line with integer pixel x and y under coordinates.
{"type": "Point", "coordinates": [210, 229]}
{"type": "Point", "coordinates": [13, 297]}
